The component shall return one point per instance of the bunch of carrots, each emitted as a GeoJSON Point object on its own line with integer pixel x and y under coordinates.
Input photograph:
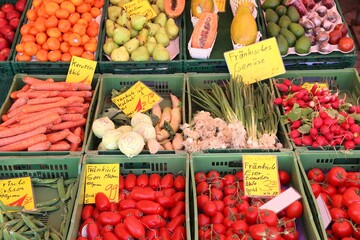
{"type": "Point", "coordinates": [46, 116]}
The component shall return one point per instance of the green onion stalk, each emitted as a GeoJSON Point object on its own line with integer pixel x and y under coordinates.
{"type": "Point", "coordinates": [251, 118]}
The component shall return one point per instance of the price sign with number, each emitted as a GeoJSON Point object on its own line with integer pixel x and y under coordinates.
{"type": "Point", "coordinates": [17, 192]}
{"type": "Point", "coordinates": [81, 70]}
{"type": "Point", "coordinates": [309, 86]}
{"type": "Point", "coordinates": [261, 177]}
{"type": "Point", "coordinates": [102, 178]}
{"type": "Point", "coordinates": [140, 7]}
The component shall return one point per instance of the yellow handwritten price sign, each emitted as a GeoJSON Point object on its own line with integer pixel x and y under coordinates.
{"type": "Point", "coordinates": [220, 4]}
{"type": "Point", "coordinates": [81, 70]}
{"type": "Point", "coordinates": [102, 178]}
{"type": "Point", "coordinates": [261, 177]}
{"type": "Point", "coordinates": [309, 86]}
{"type": "Point", "coordinates": [138, 98]}
{"type": "Point", "coordinates": [141, 7]}
{"type": "Point", "coordinates": [17, 192]}
{"type": "Point", "coordinates": [255, 62]}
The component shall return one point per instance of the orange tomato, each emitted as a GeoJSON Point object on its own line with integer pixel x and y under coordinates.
{"type": "Point", "coordinates": [42, 55]}
{"type": "Point", "coordinates": [54, 56]}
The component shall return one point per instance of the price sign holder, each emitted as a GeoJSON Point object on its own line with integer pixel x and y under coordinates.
{"type": "Point", "coordinates": [140, 7]}
{"type": "Point", "coordinates": [81, 70]}
{"type": "Point", "coordinates": [101, 178]}
{"type": "Point", "coordinates": [17, 192]}
{"type": "Point", "coordinates": [261, 177]}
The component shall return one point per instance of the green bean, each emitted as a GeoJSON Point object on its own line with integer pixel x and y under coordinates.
{"type": "Point", "coordinates": [29, 223]}
{"type": "Point", "coordinates": [7, 213]}
{"type": "Point", "coordinates": [68, 192]}
{"type": "Point", "coordinates": [45, 181]}
{"type": "Point", "coordinates": [1, 217]}
{"type": "Point", "coordinates": [61, 189]}
{"type": "Point", "coordinates": [48, 203]}
{"type": "Point", "coordinates": [69, 181]}
{"type": "Point", "coordinates": [48, 209]}
{"type": "Point", "coordinates": [53, 230]}
{"type": "Point", "coordinates": [38, 222]}
{"type": "Point", "coordinates": [18, 225]}
{"type": "Point", "coordinates": [73, 191]}
{"type": "Point", "coordinates": [62, 226]}
{"type": "Point", "coordinates": [14, 208]}
{"type": "Point", "coordinates": [23, 229]}
{"type": "Point", "coordinates": [32, 232]}
{"type": "Point", "coordinates": [53, 236]}
{"type": "Point", "coordinates": [18, 236]}
{"type": "Point", "coordinates": [2, 227]}
{"type": "Point", "coordinates": [6, 234]}
{"type": "Point", "coordinates": [12, 222]}
{"type": "Point", "coordinates": [47, 234]}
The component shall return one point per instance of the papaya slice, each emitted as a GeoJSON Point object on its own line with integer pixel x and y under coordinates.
{"type": "Point", "coordinates": [205, 31]}
{"type": "Point", "coordinates": [200, 6]}
{"type": "Point", "coordinates": [174, 8]}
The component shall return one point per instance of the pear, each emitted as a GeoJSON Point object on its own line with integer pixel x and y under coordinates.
{"type": "Point", "coordinates": [132, 45]}
{"type": "Point", "coordinates": [121, 35]}
{"type": "Point", "coordinates": [162, 37]}
{"type": "Point", "coordinates": [114, 12]}
{"type": "Point", "coordinates": [120, 55]}
{"type": "Point", "coordinates": [109, 47]}
{"type": "Point", "coordinates": [150, 45]}
{"type": "Point", "coordinates": [160, 53]}
{"type": "Point", "coordinates": [138, 21]}
{"type": "Point", "coordinates": [114, 2]}
{"type": "Point", "coordinates": [160, 5]}
{"type": "Point", "coordinates": [140, 54]}
{"type": "Point", "coordinates": [109, 28]}
{"type": "Point", "coordinates": [133, 32]}
{"type": "Point", "coordinates": [122, 2]}
{"type": "Point", "coordinates": [153, 28]}
{"type": "Point", "coordinates": [172, 29]}
{"type": "Point", "coordinates": [123, 19]}
{"type": "Point", "coordinates": [109, 39]}
{"type": "Point", "coordinates": [143, 36]}
{"type": "Point", "coordinates": [155, 8]}
{"type": "Point", "coordinates": [161, 19]}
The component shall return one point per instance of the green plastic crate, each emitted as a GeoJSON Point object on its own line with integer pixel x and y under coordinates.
{"type": "Point", "coordinates": [216, 62]}
{"type": "Point", "coordinates": [163, 84]}
{"type": "Point", "coordinates": [203, 80]}
{"type": "Point", "coordinates": [5, 66]}
{"type": "Point", "coordinates": [345, 80]}
{"type": "Point", "coordinates": [17, 84]}
{"type": "Point", "coordinates": [230, 163]}
{"type": "Point", "coordinates": [146, 67]}
{"type": "Point", "coordinates": [58, 68]}
{"type": "Point", "coordinates": [48, 167]}
{"type": "Point", "coordinates": [323, 160]}
{"type": "Point", "coordinates": [334, 60]}
{"type": "Point", "coordinates": [5, 86]}
{"type": "Point", "coordinates": [161, 164]}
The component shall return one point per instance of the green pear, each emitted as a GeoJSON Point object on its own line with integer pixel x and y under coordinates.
{"type": "Point", "coordinates": [109, 40]}
{"type": "Point", "coordinates": [115, 2]}
{"type": "Point", "coordinates": [172, 29]}
{"type": "Point", "coordinates": [150, 45]}
{"type": "Point", "coordinates": [143, 36]}
{"type": "Point", "coordinates": [160, 53]}
{"type": "Point", "coordinates": [122, 2]}
{"type": "Point", "coordinates": [109, 28]}
{"type": "Point", "coordinates": [109, 47]}
{"type": "Point", "coordinates": [160, 5]}
{"type": "Point", "coordinates": [153, 28]}
{"type": "Point", "coordinates": [138, 21]}
{"type": "Point", "coordinates": [114, 12]}
{"type": "Point", "coordinates": [161, 19]}
{"type": "Point", "coordinates": [132, 45]}
{"type": "Point", "coordinates": [162, 37]}
{"type": "Point", "coordinates": [120, 55]}
{"type": "Point", "coordinates": [121, 35]}
{"type": "Point", "coordinates": [133, 32]}
{"type": "Point", "coordinates": [155, 8]}
{"type": "Point", "coordinates": [122, 19]}
{"type": "Point", "coordinates": [140, 54]}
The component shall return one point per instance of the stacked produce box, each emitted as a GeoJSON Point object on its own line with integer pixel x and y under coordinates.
{"type": "Point", "coordinates": [176, 128]}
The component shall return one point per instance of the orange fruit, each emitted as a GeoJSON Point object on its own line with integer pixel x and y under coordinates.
{"type": "Point", "coordinates": [92, 31]}
{"type": "Point", "coordinates": [33, 31]}
{"type": "Point", "coordinates": [62, 13]}
{"type": "Point", "coordinates": [65, 36]}
{"type": "Point", "coordinates": [51, 8]}
{"type": "Point", "coordinates": [52, 21]}
{"type": "Point", "coordinates": [76, 51]}
{"type": "Point", "coordinates": [93, 40]}
{"type": "Point", "coordinates": [90, 47]}
{"type": "Point", "coordinates": [36, 3]}
{"type": "Point", "coordinates": [74, 17]}
{"type": "Point", "coordinates": [75, 39]}
{"type": "Point", "coordinates": [77, 2]}
{"type": "Point", "coordinates": [41, 38]}
{"type": "Point", "coordinates": [31, 14]}
{"type": "Point", "coordinates": [83, 8]}
{"type": "Point", "coordinates": [30, 48]}
{"type": "Point", "coordinates": [28, 38]}
{"type": "Point", "coordinates": [53, 43]}
{"type": "Point", "coordinates": [45, 46]}
{"type": "Point", "coordinates": [25, 29]}
{"type": "Point", "coordinates": [42, 55]}
{"type": "Point", "coordinates": [19, 47]}
{"type": "Point", "coordinates": [90, 2]}
{"type": "Point", "coordinates": [93, 24]}
{"type": "Point", "coordinates": [95, 12]}
{"type": "Point", "coordinates": [41, 12]}
{"type": "Point", "coordinates": [64, 47]}
{"type": "Point", "coordinates": [53, 32]}
{"type": "Point", "coordinates": [39, 24]}
{"type": "Point", "coordinates": [64, 25]}
{"type": "Point", "coordinates": [83, 22]}
{"type": "Point", "coordinates": [66, 57]}
{"type": "Point", "coordinates": [68, 6]}
{"type": "Point", "coordinates": [21, 57]}
{"type": "Point", "coordinates": [54, 55]}
{"type": "Point", "coordinates": [86, 16]}
{"type": "Point", "coordinates": [98, 3]}
{"type": "Point", "coordinates": [88, 55]}
{"type": "Point", "coordinates": [84, 39]}
{"type": "Point", "coordinates": [79, 29]}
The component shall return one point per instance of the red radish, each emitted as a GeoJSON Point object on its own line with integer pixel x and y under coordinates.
{"type": "Point", "coordinates": [323, 115]}
{"type": "Point", "coordinates": [282, 87]}
{"type": "Point", "coordinates": [295, 88]}
{"type": "Point", "coordinates": [307, 140]}
{"type": "Point", "coordinates": [350, 120]}
{"type": "Point", "coordinates": [354, 128]}
{"type": "Point", "coordinates": [294, 134]}
{"type": "Point", "coordinates": [318, 122]}
{"type": "Point", "coordinates": [330, 121]}
{"type": "Point", "coordinates": [335, 105]}
{"type": "Point", "coordinates": [348, 136]}
{"type": "Point", "coordinates": [357, 140]}
{"type": "Point", "coordinates": [330, 136]}
{"type": "Point", "coordinates": [352, 109]}
{"type": "Point", "coordinates": [297, 141]}
{"type": "Point", "coordinates": [324, 130]}
{"type": "Point", "coordinates": [296, 124]}
{"type": "Point", "coordinates": [349, 144]}
{"type": "Point", "coordinates": [301, 103]}
{"type": "Point", "coordinates": [287, 82]}
{"type": "Point", "coordinates": [314, 132]}
{"type": "Point", "coordinates": [321, 140]}
{"type": "Point", "coordinates": [278, 101]}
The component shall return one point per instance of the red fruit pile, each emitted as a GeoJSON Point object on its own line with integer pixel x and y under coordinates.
{"type": "Point", "coordinates": [340, 191]}
{"type": "Point", "coordinates": [318, 117]}
{"type": "Point", "coordinates": [9, 21]}
{"type": "Point", "coordinates": [149, 207]}
{"type": "Point", "coordinates": [225, 213]}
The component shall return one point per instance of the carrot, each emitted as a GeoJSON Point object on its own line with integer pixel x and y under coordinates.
{"type": "Point", "coordinates": [2, 128]}
{"type": "Point", "coordinates": [53, 86]}
{"type": "Point", "coordinates": [77, 132]}
{"type": "Point", "coordinates": [9, 140]}
{"type": "Point", "coordinates": [37, 94]}
{"type": "Point", "coordinates": [22, 128]}
{"type": "Point", "coordinates": [174, 124]}
{"type": "Point", "coordinates": [71, 117]}
{"type": "Point", "coordinates": [166, 116]}
{"type": "Point", "coordinates": [36, 117]}
{"type": "Point", "coordinates": [29, 115]}
{"type": "Point", "coordinates": [31, 80]}
{"type": "Point", "coordinates": [154, 146]}
{"type": "Point", "coordinates": [44, 100]}
{"type": "Point", "coordinates": [156, 110]}
{"type": "Point", "coordinates": [60, 146]}
{"type": "Point", "coordinates": [76, 104]}
{"type": "Point", "coordinates": [24, 144]}
{"type": "Point", "coordinates": [49, 80]}
{"type": "Point", "coordinates": [157, 128]}
{"type": "Point", "coordinates": [9, 122]}
{"type": "Point", "coordinates": [13, 95]}
{"type": "Point", "coordinates": [177, 141]}
{"type": "Point", "coordinates": [168, 146]}
{"type": "Point", "coordinates": [57, 136]}
{"type": "Point", "coordinates": [82, 86]}
{"type": "Point", "coordinates": [42, 107]}
{"type": "Point", "coordinates": [68, 124]}
{"type": "Point", "coordinates": [175, 102]}
{"type": "Point", "coordinates": [18, 103]}
{"type": "Point", "coordinates": [15, 112]}
{"type": "Point", "coordinates": [75, 93]}
{"type": "Point", "coordinates": [72, 110]}
{"type": "Point", "coordinates": [41, 146]}
{"type": "Point", "coordinates": [4, 117]}
{"type": "Point", "coordinates": [72, 138]}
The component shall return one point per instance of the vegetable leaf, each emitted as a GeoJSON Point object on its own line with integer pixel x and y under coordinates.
{"type": "Point", "coordinates": [304, 129]}
{"type": "Point", "coordinates": [306, 111]}
{"type": "Point", "coordinates": [121, 119]}
{"type": "Point", "coordinates": [110, 112]}
{"type": "Point", "coordinates": [284, 119]}
{"type": "Point", "coordinates": [355, 116]}
{"type": "Point", "coordinates": [169, 129]}
{"type": "Point", "coordinates": [295, 113]}
{"type": "Point", "coordinates": [332, 112]}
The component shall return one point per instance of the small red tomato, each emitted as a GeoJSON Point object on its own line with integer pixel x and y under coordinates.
{"type": "Point", "coordinates": [210, 208]}
{"type": "Point", "coordinates": [346, 44]}
{"type": "Point", "coordinates": [130, 181]}
{"type": "Point", "coordinates": [336, 176]}
{"type": "Point", "coordinates": [167, 181]}
{"type": "Point", "coordinates": [354, 212]}
{"type": "Point", "coordinates": [111, 218]}
{"type": "Point", "coordinates": [154, 181]}
{"type": "Point", "coordinates": [142, 180]}
{"type": "Point", "coordinates": [179, 183]}
{"type": "Point", "coordinates": [316, 175]}
{"type": "Point", "coordinates": [102, 202]}
{"type": "Point", "coordinates": [294, 210]}
{"type": "Point", "coordinates": [284, 177]}
{"type": "Point", "coordinates": [110, 236]}
{"type": "Point", "coordinates": [134, 226]}
{"type": "Point", "coordinates": [87, 212]}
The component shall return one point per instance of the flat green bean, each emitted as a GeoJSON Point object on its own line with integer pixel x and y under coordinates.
{"type": "Point", "coordinates": [6, 234]}
{"type": "Point", "coordinates": [47, 234]}
{"type": "Point", "coordinates": [61, 189]}
{"type": "Point", "coordinates": [68, 192]}
{"type": "Point", "coordinates": [48, 203]}
{"type": "Point", "coordinates": [38, 222]}
{"type": "Point", "coordinates": [23, 229]}
{"type": "Point", "coordinates": [48, 209]}
{"type": "Point", "coordinates": [7, 213]}
{"type": "Point", "coordinates": [53, 236]}
{"type": "Point", "coordinates": [29, 223]}
{"type": "Point", "coordinates": [18, 236]}
{"type": "Point", "coordinates": [45, 181]}
{"type": "Point", "coordinates": [18, 225]}
{"type": "Point", "coordinates": [69, 181]}
{"type": "Point", "coordinates": [53, 230]}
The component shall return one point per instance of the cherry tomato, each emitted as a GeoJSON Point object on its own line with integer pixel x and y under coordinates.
{"type": "Point", "coordinates": [217, 218]}
{"type": "Point", "coordinates": [200, 177]}
{"type": "Point", "coordinates": [230, 190]}
{"type": "Point", "coordinates": [338, 213]}
{"type": "Point", "coordinates": [102, 202]}
{"type": "Point", "coordinates": [87, 212]}
{"type": "Point", "coordinates": [201, 200]}
{"type": "Point", "coordinates": [291, 234]}
{"type": "Point", "coordinates": [316, 189]}
{"type": "Point", "coordinates": [219, 228]}
{"type": "Point", "coordinates": [284, 177]}
{"type": "Point", "coordinates": [228, 179]}
{"type": "Point", "coordinates": [219, 205]}
{"type": "Point", "coordinates": [341, 228]}
{"type": "Point", "coordinates": [179, 183]}
{"type": "Point", "coordinates": [353, 179]}
{"type": "Point", "coordinates": [203, 220]}
{"type": "Point", "coordinates": [202, 188]}
{"type": "Point", "coordinates": [111, 218]}
{"type": "Point", "coordinates": [213, 174]}
{"type": "Point", "coordinates": [142, 180]}
{"type": "Point", "coordinates": [336, 176]}
{"type": "Point", "coordinates": [268, 217]}
{"type": "Point", "coordinates": [329, 189]}
{"type": "Point", "coordinates": [354, 212]}
{"type": "Point", "coordinates": [336, 201]}
{"type": "Point", "coordinates": [251, 215]}
{"type": "Point", "coordinates": [130, 181]}
{"type": "Point", "coordinates": [239, 175]}
{"type": "Point", "coordinates": [316, 175]}
{"type": "Point", "coordinates": [134, 226]}
{"type": "Point", "coordinates": [228, 211]}
{"type": "Point", "coordinates": [216, 194]}
{"type": "Point", "coordinates": [346, 44]}
{"type": "Point", "coordinates": [154, 181]}
{"type": "Point", "coordinates": [210, 208]}
{"type": "Point", "coordinates": [240, 227]}
{"type": "Point", "coordinates": [294, 210]}
{"type": "Point", "coordinates": [242, 205]}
